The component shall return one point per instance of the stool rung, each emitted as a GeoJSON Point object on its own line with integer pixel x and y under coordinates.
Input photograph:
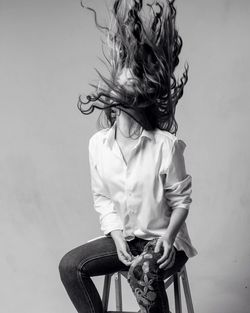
{"type": "Point", "coordinates": [120, 312]}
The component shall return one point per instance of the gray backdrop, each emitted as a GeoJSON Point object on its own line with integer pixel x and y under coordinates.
{"type": "Point", "coordinates": [47, 57]}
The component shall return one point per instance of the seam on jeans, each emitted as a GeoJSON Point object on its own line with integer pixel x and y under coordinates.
{"type": "Point", "coordinates": [85, 261]}
{"type": "Point", "coordinates": [81, 266]}
{"type": "Point", "coordinates": [85, 291]}
{"type": "Point", "coordinates": [79, 274]}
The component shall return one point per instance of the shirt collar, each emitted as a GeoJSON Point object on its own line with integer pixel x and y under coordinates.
{"type": "Point", "coordinates": [109, 136]}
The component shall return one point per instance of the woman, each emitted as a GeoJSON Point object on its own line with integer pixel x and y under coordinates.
{"type": "Point", "coordinates": [140, 186]}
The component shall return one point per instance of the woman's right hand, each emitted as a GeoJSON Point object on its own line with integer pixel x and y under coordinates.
{"type": "Point", "coordinates": [123, 251]}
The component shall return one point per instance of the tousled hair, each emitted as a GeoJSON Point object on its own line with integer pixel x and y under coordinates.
{"type": "Point", "coordinates": [143, 38]}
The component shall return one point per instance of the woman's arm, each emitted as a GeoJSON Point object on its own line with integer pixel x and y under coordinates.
{"type": "Point", "coordinates": [178, 194]}
{"type": "Point", "coordinates": [103, 204]}
{"type": "Point", "coordinates": [178, 217]}
{"type": "Point", "coordinates": [167, 240]}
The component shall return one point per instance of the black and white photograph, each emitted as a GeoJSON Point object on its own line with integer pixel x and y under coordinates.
{"type": "Point", "coordinates": [124, 164]}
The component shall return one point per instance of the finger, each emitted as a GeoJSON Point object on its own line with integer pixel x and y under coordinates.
{"type": "Point", "coordinates": [171, 258]}
{"type": "Point", "coordinates": [167, 265]}
{"type": "Point", "coordinates": [127, 255]}
{"type": "Point", "coordinates": [165, 254]}
{"type": "Point", "coordinates": [123, 259]}
{"type": "Point", "coordinates": [129, 252]}
{"type": "Point", "coordinates": [158, 246]}
{"type": "Point", "coordinates": [125, 251]}
{"type": "Point", "coordinates": [169, 261]}
{"type": "Point", "coordinates": [172, 262]}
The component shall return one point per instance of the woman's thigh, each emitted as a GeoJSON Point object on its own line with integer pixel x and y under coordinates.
{"type": "Point", "coordinates": [96, 257]}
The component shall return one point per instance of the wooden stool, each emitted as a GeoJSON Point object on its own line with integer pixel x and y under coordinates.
{"type": "Point", "coordinates": [175, 279]}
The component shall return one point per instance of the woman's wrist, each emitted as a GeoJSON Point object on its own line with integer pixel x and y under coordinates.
{"type": "Point", "coordinates": [116, 234]}
{"type": "Point", "coordinates": [170, 238]}
{"type": "Point", "coordinates": [176, 221]}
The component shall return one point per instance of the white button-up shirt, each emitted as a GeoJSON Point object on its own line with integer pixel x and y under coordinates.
{"type": "Point", "coordinates": [138, 197]}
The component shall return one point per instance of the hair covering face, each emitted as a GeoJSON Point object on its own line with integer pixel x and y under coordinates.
{"type": "Point", "coordinates": [143, 48]}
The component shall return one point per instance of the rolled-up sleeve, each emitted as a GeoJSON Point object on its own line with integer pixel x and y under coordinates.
{"type": "Point", "coordinates": [178, 184]}
{"type": "Point", "coordinates": [103, 204]}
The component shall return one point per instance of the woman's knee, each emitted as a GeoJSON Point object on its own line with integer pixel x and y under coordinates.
{"type": "Point", "coordinates": [68, 266]}
{"type": "Point", "coordinates": [144, 265]}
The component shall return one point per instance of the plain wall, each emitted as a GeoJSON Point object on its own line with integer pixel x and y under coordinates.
{"type": "Point", "coordinates": [48, 52]}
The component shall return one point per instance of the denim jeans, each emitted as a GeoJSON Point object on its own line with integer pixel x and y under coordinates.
{"type": "Point", "coordinates": [99, 257]}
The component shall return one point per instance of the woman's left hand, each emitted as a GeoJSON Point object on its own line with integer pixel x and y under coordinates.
{"type": "Point", "coordinates": [168, 257]}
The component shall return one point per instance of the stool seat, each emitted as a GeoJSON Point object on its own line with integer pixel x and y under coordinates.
{"type": "Point", "coordinates": [174, 279]}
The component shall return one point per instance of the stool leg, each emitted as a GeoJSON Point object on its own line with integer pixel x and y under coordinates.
{"type": "Point", "coordinates": [106, 290]}
{"type": "Point", "coordinates": [187, 291]}
{"type": "Point", "coordinates": [118, 292]}
{"type": "Point", "coordinates": [177, 293]}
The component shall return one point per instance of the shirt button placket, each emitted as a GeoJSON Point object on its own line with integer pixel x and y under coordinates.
{"type": "Point", "coordinates": [129, 195]}
{"type": "Point", "coordinates": [128, 191]}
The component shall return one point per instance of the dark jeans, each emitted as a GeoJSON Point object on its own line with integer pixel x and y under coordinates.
{"type": "Point", "coordinates": [99, 257]}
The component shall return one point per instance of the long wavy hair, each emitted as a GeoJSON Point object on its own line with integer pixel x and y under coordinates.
{"type": "Point", "coordinates": [143, 38]}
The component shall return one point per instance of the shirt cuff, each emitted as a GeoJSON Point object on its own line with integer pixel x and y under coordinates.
{"type": "Point", "coordinates": [178, 195]}
{"type": "Point", "coordinates": [110, 222]}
